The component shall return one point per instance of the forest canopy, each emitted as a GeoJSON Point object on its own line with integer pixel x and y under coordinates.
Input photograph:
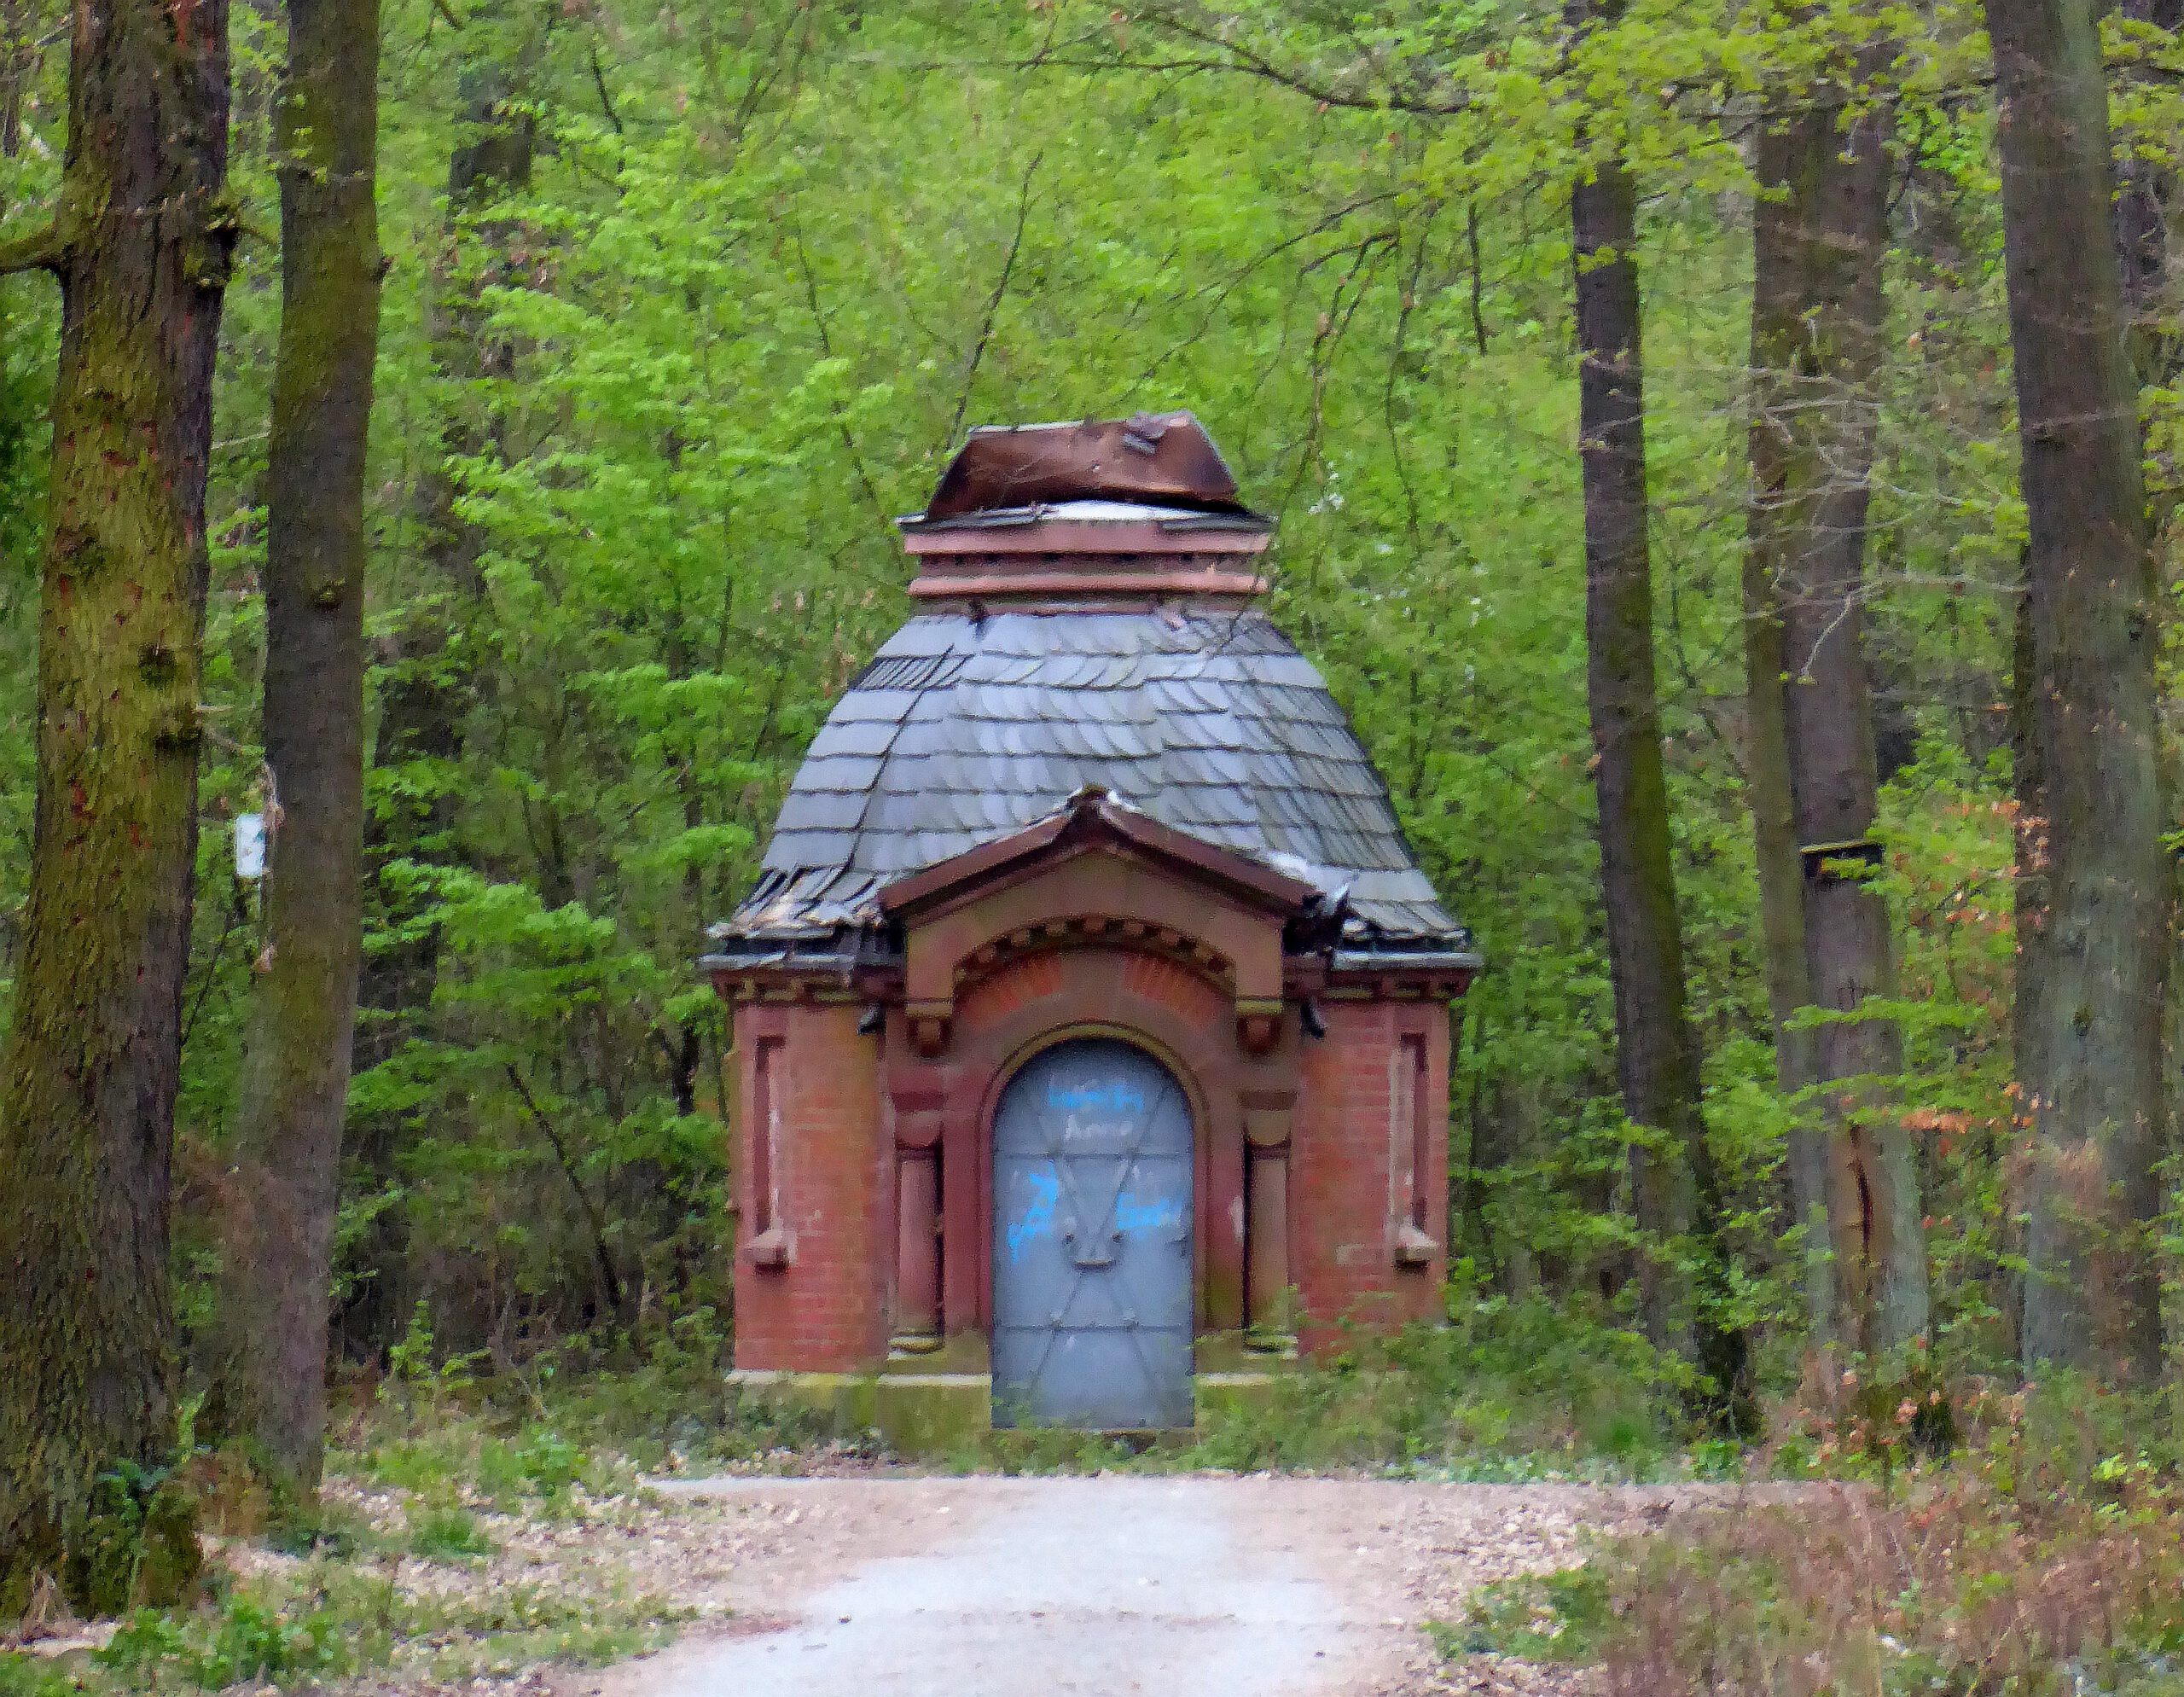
{"type": "Point", "coordinates": [681, 305]}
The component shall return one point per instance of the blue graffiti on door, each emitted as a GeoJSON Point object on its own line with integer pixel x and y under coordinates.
{"type": "Point", "coordinates": [1135, 1218]}
{"type": "Point", "coordinates": [1038, 1219]}
{"type": "Point", "coordinates": [1119, 1096]}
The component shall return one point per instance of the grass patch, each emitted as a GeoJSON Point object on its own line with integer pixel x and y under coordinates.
{"type": "Point", "coordinates": [22, 1675]}
{"type": "Point", "coordinates": [248, 1638]}
{"type": "Point", "coordinates": [448, 1535]}
{"type": "Point", "coordinates": [331, 1620]}
{"type": "Point", "coordinates": [1505, 1392]}
{"type": "Point", "coordinates": [1562, 1617]}
{"type": "Point", "coordinates": [1502, 1391]}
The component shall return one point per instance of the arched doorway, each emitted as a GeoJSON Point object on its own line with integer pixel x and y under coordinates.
{"type": "Point", "coordinates": [1092, 1241]}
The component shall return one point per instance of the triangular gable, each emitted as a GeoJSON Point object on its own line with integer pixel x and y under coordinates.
{"type": "Point", "coordinates": [1091, 820]}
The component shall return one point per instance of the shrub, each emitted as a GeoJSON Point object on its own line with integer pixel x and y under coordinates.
{"type": "Point", "coordinates": [247, 1639]}
{"type": "Point", "coordinates": [447, 1535]}
{"type": "Point", "coordinates": [2047, 1558]}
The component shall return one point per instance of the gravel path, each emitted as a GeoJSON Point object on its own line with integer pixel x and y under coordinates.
{"type": "Point", "coordinates": [903, 1587]}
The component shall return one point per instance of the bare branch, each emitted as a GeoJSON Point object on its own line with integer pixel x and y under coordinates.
{"type": "Point", "coordinates": [993, 305]}
{"type": "Point", "coordinates": [610, 1281]}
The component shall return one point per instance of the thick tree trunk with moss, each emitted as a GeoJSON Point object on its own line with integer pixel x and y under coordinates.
{"type": "Point", "coordinates": [295, 1078]}
{"type": "Point", "coordinates": [1656, 1054]}
{"type": "Point", "coordinates": [87, 1088]}
{"type": "Point", "coordinates": [2092, 1295]}
{"type": "Point", "coordinates": [1820, 237]}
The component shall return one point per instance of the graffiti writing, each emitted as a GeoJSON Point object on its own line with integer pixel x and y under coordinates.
{"type": "Point", "coordinates": [1116, 1096]}
{"type": "Point", "coordinates": [1137, 1218]}
{"type": "Point", "coordinates": [1038, 1219]}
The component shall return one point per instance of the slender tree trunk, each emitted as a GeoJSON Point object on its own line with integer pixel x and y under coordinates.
{"type": "Point", "coordinates": [427, 686]}
{"type": "Point", "coordinates": [1821, 237]}
{"type": "Point", "coordinates": [1656, 1053]}
{"type": "Point", "coordinates": [2092, 1296]}
{"type": "Point", "coordinates": [295, 1074]}
{"type": "Point", "coordinates": [1774, 311]}
{"type": "Point", "coordinates": [2029, 900]}
{"type": "Point", "coordinates": [87, 1345]}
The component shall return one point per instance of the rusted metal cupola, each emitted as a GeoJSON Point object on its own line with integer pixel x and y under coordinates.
{"type": "Point", "coordinates": [1090, 1010]}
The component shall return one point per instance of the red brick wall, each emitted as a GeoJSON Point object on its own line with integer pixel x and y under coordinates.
{"type": "Point", "coordinates": [824, 1311]}
{"type": "Point", "coordinates": [1352, 1132]}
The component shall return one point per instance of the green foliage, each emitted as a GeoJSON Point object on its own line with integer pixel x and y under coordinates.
{"type": "Point", "coordinates": [136, 1541]}
{"type": "Point", "coordinates": [333, 1620]}
{"type": "Point", "coordinates": [244, 1640]}
{"type": "Point", "coordinates": [1558, 1617]}
{"type": "Point", "coordinates": [447, 1535]}
{"type": "Point", "coordinates": [1503, 1390]}
{"type": "Point", "coordinates": [22, 1675]}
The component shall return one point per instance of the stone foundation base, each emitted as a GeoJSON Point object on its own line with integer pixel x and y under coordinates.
{"type": "Point", "coordinates": [932, 1405]}
{"type": "Point", "coordinates": [919, 1414]}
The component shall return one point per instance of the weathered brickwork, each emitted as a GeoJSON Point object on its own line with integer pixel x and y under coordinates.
{"type": "Point", "coordinates": [1357, 1119]}
{"type": "Point", "coordinates": [821, 1311]}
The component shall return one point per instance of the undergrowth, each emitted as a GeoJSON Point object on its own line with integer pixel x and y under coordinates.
{"type": "Point", "coordinates": [2044, 1555]}
{"type": "Point", "coordinates": [1502, 1391]}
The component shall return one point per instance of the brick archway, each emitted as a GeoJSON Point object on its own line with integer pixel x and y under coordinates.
{"type": "Point", "coordinates": [1175, 1015]}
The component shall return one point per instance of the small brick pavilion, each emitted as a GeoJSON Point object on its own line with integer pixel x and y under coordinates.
{"type": "Point", "coordinates": [1091, 1016]}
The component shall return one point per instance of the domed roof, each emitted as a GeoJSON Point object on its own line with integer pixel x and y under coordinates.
{"type": "Point", "coordinates": [1086, 622]}
{"type": "Point", "coordinates": [969, 725]}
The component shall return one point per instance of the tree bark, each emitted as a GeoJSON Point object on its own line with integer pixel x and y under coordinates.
{"type": "Point", "coordinates": [2092, 1296]}
{"type": "Point", "coordinates": [1766, 757]}
{"type": "Point", "coordinates": [87, 1345]}
{"type": "Point", "coordinates": [1821, 237]}
{"type": "Point", "coordinates": [295, 1075]}
{"type": "Point", "coordinates": [2030, 972]}
{"type": "Point", "coordinates": [1656, 1054]}
{"type": "Point", "coordinates": [427, 686]}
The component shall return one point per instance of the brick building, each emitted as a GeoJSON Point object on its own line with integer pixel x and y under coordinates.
{"type": "Point", "coordinates": [1090, 1014]}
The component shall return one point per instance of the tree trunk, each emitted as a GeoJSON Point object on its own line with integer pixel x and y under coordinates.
{"type": "Point", "coordinates": [427, 686]}
{"type": "Point", "coordinates": [1820, 237]}
{"type": "Point", "coordinates": [2092, 1297]}
{"type": "Point", "coordinates": [1775, 306]}
{"type": "Point", "coordinates": [1656, 1055]}
{"type": "Point", "coordinates": [87, 1344]}
{"type": "Point", "coordinates": [295, 1075]}
{"type": "Point", "coordinates": [2029, 900]}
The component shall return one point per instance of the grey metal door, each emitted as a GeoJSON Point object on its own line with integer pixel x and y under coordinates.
{"type": "Point", "coordinates": [1092, 1241]}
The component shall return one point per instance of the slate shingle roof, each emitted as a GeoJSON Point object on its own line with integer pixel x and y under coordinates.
{"type": "Point", "coordinates": [964, 729]}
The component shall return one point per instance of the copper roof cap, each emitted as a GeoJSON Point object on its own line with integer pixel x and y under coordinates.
{"type": "Point", "coordinates": [1157, 459]}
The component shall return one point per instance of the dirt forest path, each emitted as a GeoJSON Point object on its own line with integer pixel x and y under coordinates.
{"type": "Point", "coordinates": [1106, 1586]}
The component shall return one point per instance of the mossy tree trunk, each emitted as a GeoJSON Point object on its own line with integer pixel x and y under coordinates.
{"type": "Point", "coordinates": [1820, 240]}
{"type": "Point", "coordinates": [2091, 1293]}
{"type": "Point", "coordinates": [1656, 1055]}
{"type": "Point", "coordinates": [295, 1076]}
{"type": "Point", "coordinates": [140, 248]}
